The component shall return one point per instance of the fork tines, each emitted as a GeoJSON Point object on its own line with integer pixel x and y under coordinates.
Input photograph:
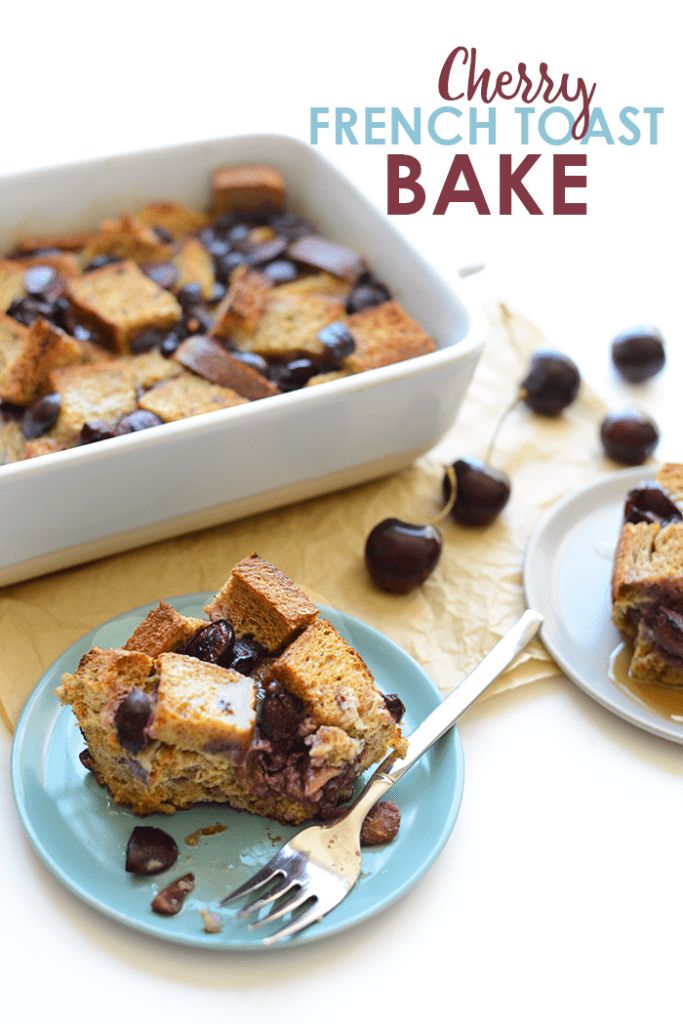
{"type": "Point", "coordinates": [293, 884]}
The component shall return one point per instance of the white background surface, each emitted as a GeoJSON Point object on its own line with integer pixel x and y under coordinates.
{"type": "Point", "coordinates": [558, 897]}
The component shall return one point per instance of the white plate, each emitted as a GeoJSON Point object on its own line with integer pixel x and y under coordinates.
{"type": "Point", "coordinates": [567, 573]}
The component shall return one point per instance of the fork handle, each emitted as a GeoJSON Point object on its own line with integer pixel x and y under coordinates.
{"type": "Point", "coordinates": [473, 685]}
{"type": "Point", "coordinates": [446, 714]}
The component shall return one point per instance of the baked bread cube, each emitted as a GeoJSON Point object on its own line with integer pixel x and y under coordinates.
{"type": "Point", "coordinates": [121, 302]}
{"type": "Point", "coordinates": [147, 369]}
{"type": "Point", "coordinates": [341, 696]}
{"type": "Point", "coordinates": [243, 305]}
{"type": "Point", "coordinates": [12, 440]}
{"type": "Point", "coordinates": [670, 479]}
{"type": "Point", "coordinates": [42, 446]}
{"type": "Point", "coordinates": [647, 578]}
{"type": "Point", "coordinates": [11, 283]}
{"type": "Point", "coordinates": [188, 395]}
{"type": "Point", "coordinates": [137, 768]}
{"type": "Point", "coordinates": [13, 338]}
{"type": "Point", "coordinates": [43, 348]}
{"type": "Point", "coordinates": [127, 239]}
{"type": "Point", "coordinates": [175, 218]}
{"type": "Point", "coordinates": [246, 189]}
{"type": "Point", "coordinates": [99, 391]}
{"type": "Point", "coordinates": [195, 265]}
{"type": "Point", "coordinates": [316, 284]}
{"type": "Point", "coordinates": [290, 324]}
{"type": "Point", "coordinates": [163, 630]}
{"type": "Point", "coordinates": [65, 263]}
{"type": "Point", "coordinates": [71, 241]}
{"type": "Point", "coordinates": [383, 335]}
{"type": "Point", "coordinates": [203, 707]}
{"type": "Point", "coordinates": [259, 600]}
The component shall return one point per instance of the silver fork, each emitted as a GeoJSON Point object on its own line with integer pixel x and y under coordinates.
{"type": "Point", "coordinates": [316, 869]}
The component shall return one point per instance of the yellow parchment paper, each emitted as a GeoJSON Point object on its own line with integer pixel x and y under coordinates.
{"type": "Point", "coordinates": [448, 624]}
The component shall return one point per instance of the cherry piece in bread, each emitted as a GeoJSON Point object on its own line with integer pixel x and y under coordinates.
{"type": "Point", "coordinates": [170, 900]}
{"type": "Point", "coordinates": [40, 415]}
{"type": "Point", "coordinates": [150, 850]}
{"type": "Point", "coordinates": [131, 720]}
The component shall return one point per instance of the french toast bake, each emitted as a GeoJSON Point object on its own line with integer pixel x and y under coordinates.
{"type": "Point", "coordinates": [263, 706]}
{"type": "Point", "coordinates": [171, 312]}
{"type": "Point", "coordinates": [647, 577]}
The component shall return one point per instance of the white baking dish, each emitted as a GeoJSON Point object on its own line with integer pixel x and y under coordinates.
{"type": "Point", "coordinates": [87, 502]}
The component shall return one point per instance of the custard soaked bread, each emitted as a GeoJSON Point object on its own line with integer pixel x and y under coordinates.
{"type": "Point", "coordinates": [246, 298]}
{"type": "Point", "coordinates": [263, 706]}
{"type": "Point", "coordinates": [647, 577]}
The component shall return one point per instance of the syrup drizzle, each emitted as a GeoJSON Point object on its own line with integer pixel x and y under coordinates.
{"type": "Point", "coordinates": [666, 701]}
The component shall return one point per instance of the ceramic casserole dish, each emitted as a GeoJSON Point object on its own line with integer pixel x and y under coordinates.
{"type": "Point", "coordinates": [97, 499]}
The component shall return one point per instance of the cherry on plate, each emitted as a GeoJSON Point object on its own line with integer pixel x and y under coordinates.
{"type": "Point", "coordinates": [551, 384]}
{"type": "Point", "coordinates": [629, 437]}
{"type": "Point", "coordinates": [150, 850]}
{"type": "Point", "coordinates": [482, 492]}
{"type": "Point", "coordinates": [400, 556]}
{"type": "Point", "coordinates": [638, 354]}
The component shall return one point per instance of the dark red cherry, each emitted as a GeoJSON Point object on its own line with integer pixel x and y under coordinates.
{"type": "Point", "coordinates": [150, 850]}
{"type": "Point", "coordinates": [246, 652]}
{"type": "Point", "coordinates": [551, 384]}
{"type": "Point", "coordinates": [667, 626]}
{"type": "Point", "coordinates": [131, 719]}
{"type": "Point", "coordinates": [482, 492]}
{"type": "Point", "coordinates": [649, 504]}
{"type": "Point", "coordinates": [638, 354]}
{"type": "Point", "coordinates": [213, 642]}
{"type": "Point", "coordinates": [629, 437]}
{"type": "Point", "coordinates": [400, 556]}
{"type": "Point", "coordinates": [170, 900]}
{"type": "Point", "coordinates": [40, 415]}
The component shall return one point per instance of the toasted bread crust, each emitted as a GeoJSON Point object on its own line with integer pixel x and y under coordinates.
{"type": "Point", "coordinates": [187, 395]}
{"type": "Point", "coordinates": [247, 187]}
{"type": "Point", "coordinates": [383, 335]}
{"type": "Point", "coordinates": [121, 302]}
{"type": "Point", "coordinates": [162, 630]}
{"type": "Point", "coordinates": [261, 601]}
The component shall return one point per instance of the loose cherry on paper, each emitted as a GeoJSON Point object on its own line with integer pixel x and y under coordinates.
{"type": "Point", "coordinates": [629, 437]}
{"type": "Point", "coordinates": [482, 492]}
{"type": "Point", "coordinates": [552, 383]}
{"type": "Point", "coordinates": [400, 556]}
{"type": "Point", "coordinates": [638, 354]}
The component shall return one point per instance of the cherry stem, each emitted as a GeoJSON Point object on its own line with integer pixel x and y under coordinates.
{"type": "Point", "coordinates": [453, 481]}
{"type": "Point", "coordinates": [492, 443]}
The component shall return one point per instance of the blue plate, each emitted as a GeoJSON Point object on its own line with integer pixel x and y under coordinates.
{"type": "Point", "coordinates": [81, 834]}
